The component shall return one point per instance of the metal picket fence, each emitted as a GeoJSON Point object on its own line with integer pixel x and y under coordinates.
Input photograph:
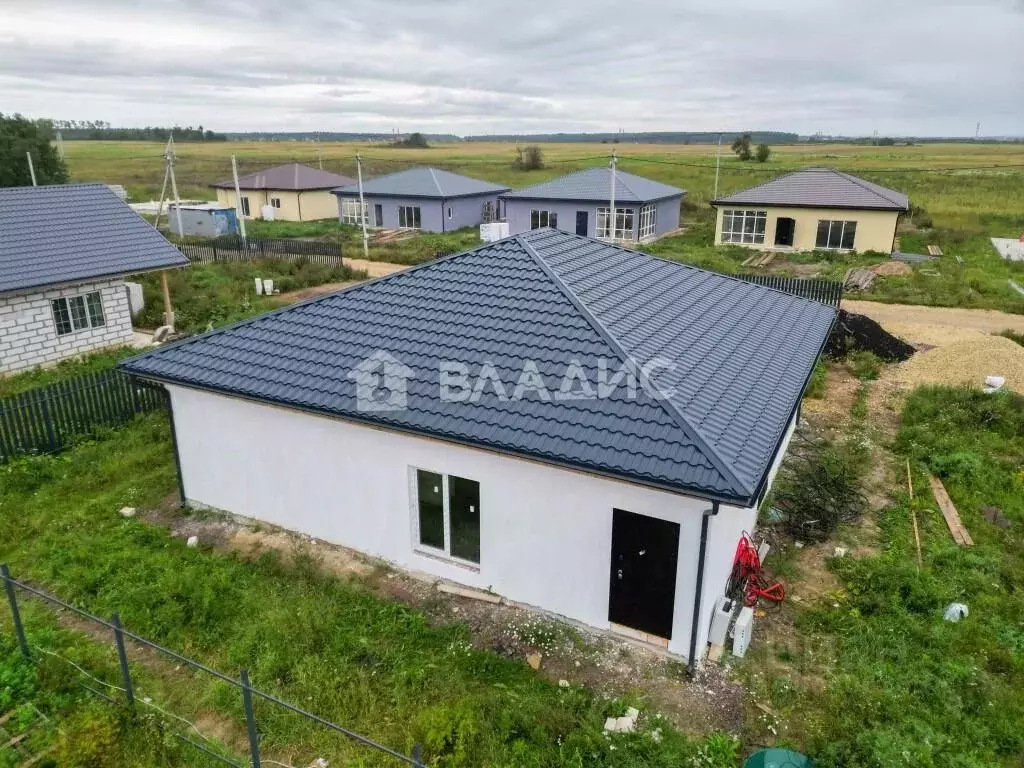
{"type": "Point", "coordinates": [828, 292]}
{"type": "Point", "coordinates": [48, 419]}
{"type": "Point", "coordinates": [233, 248]}
{"type": "Point", "coordinates": [125, 693]}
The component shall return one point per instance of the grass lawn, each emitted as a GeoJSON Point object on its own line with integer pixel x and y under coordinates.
{"type": "Point", "coordinates": [66, 369]}
{"type": "Point", "coordinates": [877, 677]}
{"type": "Point", "coordinates": [325, 643]}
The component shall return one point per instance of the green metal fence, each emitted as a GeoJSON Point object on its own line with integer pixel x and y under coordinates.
{"type": "Point", "coordinates": [49, 418]}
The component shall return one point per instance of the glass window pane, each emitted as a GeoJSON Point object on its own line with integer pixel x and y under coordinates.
{"type": "Point", "coordinates": [553, 220]}
{"type": "Point", "coordinates": [759, 223]}
{"type": "Point", "coordinates": [835, 234]}
{"type": "Point", "coordinates": [821, 241]}
{"type": "Point", "coordinates": [416, 217]}
{"type": "Point", "coordinates": [431, 504]}
{"type": "Point", "coordinates": [464, 510]}
{"type": "Point", "coordinates": [849, 233]}
{"type": "Point", "coordinates": [95, 306]}
{"type": "Point", "coordinates": [79, 319]}
{"type": "Point", "coordinates": [727, 222]}
{"type": "Point", "coordinates": [534, 219]}
{"type": "Point", "coordinates": [401, 216]}
{"type": "Point", "coordinates": [61, 317]}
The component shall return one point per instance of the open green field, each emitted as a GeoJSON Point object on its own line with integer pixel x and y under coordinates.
{"type": "Point", "coordinates": [963, 194]}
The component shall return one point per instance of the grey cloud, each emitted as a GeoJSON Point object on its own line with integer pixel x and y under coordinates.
{"type": "Point", "coordinates": [841, 65]}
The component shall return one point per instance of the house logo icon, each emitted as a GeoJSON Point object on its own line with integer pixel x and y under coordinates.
{"type": "Point", "coordinates": [381, 383]}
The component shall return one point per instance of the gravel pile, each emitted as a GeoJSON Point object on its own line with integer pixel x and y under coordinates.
{"type": "Point", "coordinates": [966, 362]}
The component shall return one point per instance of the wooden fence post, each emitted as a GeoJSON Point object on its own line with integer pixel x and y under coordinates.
{"type": "Point", "coordinates": [122, 657]}
{"type": "Point", "coordinates": [19, 630]}
{"type": "Point", "coordinates": [250, 719]}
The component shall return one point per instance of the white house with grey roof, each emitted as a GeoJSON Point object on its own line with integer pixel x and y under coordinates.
{"type": "Point", "coordinates": [812, 209]}
{"type": "Point", "coordinates": [64, 253]}
{"type": "Point", "coordinates": [581, 202]}
{"type": "Point", "coordinates": [426, 199]}
{"type": "Point", "coordinates": [573, 425]}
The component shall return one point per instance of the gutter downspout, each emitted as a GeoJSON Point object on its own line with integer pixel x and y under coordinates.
{"type": "Point", "coordinates": [691, 667]}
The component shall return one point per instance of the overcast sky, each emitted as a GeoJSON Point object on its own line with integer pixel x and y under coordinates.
{"type": "Point", "coordinates": [924, 67]}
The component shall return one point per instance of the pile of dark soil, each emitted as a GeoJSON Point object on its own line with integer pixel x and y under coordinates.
{"type": "Point", "coordinates": [853, 333]}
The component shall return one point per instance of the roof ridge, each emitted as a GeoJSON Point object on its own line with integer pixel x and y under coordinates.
{"type": "Point", "coordinates": [698, 438]}
{"type": "Point", "coordinates": [862, 183]}
{"type": "Point", "coordinates": [437, 184]}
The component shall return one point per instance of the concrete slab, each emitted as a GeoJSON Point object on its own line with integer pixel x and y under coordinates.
{"type": "Point", "coordinates": [1009, 248]}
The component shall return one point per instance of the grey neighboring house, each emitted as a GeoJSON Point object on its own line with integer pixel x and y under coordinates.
{"type": "Point", "coordinates": [64, 252]}
{"type": "Point", "coordinates": [580, 202]}
{"type": "Point", "coordinates": [421, 198]}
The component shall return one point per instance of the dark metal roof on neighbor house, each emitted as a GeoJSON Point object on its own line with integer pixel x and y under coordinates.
{"type": "Point", "coordinates": [595, 185]}
{"type": "Point", "coordinates": [738, 356]}
{"type": "Point", "coordinates": [72, 233]}
{"type": "Point", "coordinates": [290, 176]}
{"type": "Point", "coordinates": [423, 182]}
{"type": "Point", "coordinates": [819, 188]}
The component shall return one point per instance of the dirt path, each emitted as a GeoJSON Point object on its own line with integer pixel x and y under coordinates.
{"type": "Point", "coordinates": [375, 268]}
{"type": "Point", "coordinates": [935, 326]}
{"type": "Point", "coordinates": [372, 268]}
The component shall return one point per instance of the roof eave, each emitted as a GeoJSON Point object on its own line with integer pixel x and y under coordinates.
{"type": "Point", "coordinates": [605, 199]}
{"type": "Point", "coordinates": [91, 278]}
{"type": "Point", "coordinates": [677, 490]}
{"type": "Point", "coordinates": [405, 196]}
{"type": "Point", "coordinates": [837, 206]}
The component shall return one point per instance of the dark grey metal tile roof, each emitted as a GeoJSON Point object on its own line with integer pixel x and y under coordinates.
{"type": "Point", "coordinates": [291, 176]}
{"type": "Point", "coordinates": [819, 188]}
{"type": "Point", "coordinates": [594, 185]}
{"type": "Point", "coordinates": [74, 232]}
{"type": "Point", "coordinates": [423, 182]}
{"type": "Point", "coordinates": [741, 355]}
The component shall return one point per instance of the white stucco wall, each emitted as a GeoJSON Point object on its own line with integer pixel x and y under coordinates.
{"type": "Point", "coordinates": [28, 336]}
{"type": "Point", "coordinates": [545, 535]}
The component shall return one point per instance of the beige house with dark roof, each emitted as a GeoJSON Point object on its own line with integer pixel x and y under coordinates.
{"type": "Point", "coordinates": [296, 192]}
{"type": "Point", "coordinates": [812, 209]}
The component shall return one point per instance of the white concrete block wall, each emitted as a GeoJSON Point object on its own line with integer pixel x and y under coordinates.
{"type": "Point", "coordinates": [545, 537]}
{"type": "Point", "coordinates": [28, 335]}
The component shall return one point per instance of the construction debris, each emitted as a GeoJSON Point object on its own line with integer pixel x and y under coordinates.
{"type": "Point", "coordinates": [1010, 248]}
{"type": "Point", "coordinates": [127, 511]}
{"type": "Point", "coordinates": [995, 516]}
{"type": "Point", "coordinates": [956, 527]}
{"type": "Point", "coordinates": [892, 268]}
{"type": "Point", "coordinates": [934, 250]}
{"type": "Point", "coordinates": [911, 258]}
{"type": "Point", "coordinates": [966, 362]}
{"type": "Point", "coordinates": [858, 279]}
{"type": "Point", "coordinates": [955, 611]}
{"type": "Point", "coordinates": [852, 333]}
{"type": "Point", "coordinates": [534, 660]}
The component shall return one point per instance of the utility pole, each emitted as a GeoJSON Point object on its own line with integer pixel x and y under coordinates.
{"type": "Point", "coordinates": [163, 195]}
{"type": "Point", "coordinates": [611, 223]}
{"type": "Point", "coordinates": [718, 163]}
{"type": "Point", "coordinates": [169, 156]}
{"type": "Point", "coordinates": [31, 169]}
{"type": "Point", "coordinates": [319, 159]}
{"type": "Point", "coordinates": [60, 145]}
{"type": "Point", "coordinates": [238, 202]}
{"type": "Point", "coordinates": [362, 206]}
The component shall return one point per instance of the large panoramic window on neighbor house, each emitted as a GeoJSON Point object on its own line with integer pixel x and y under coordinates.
{"type": "Point", "coordinates": [350, 210]}
{"type": "Point", "coordinates": [743, 226]}
{"type": "Point", "coordinates": [623, 223]}
{"type": "Point", "coordinates": [78, 313]}
{"type": "Point", "coordinates": [540, 219]}
{"type": "Point", "coordinates": [409, 217]}
{"type": "Point", "coordinates": [836, 235]}
{"type": "Point", "coordinates": [447, 515]}
{"type": "Point", "coordinates": [648, 221]}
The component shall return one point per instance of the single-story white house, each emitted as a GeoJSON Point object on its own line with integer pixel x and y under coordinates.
{"type": "Point", "coordinates": [569, 423]}
{"type": "Point", "coordinates": [289, 192]}
{"type": "Point", "coordinates": [64, 252]}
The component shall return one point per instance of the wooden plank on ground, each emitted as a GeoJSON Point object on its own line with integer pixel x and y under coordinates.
{"type": "Point", "coordinates": [749, 259]}
{"type": "Point", "coordinates": [767, 259]}
{"type": "Point", "coordinates": [956, 527]}
{"type": "Point", "coordinates": [934, 250]}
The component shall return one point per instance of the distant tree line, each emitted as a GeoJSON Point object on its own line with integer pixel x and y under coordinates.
{"type": "Point", "coordinates": [649, 137]}
{"type": "Point", "coordinates": [101, 130]}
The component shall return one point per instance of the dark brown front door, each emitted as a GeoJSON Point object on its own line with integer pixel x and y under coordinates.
{"type": "Point", "coordinates": [643, 572]}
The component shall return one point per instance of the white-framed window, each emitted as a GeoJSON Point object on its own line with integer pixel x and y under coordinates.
{"type": "Point", "coordinates": [540, 219]}
{"type": "Point", "coordinates": [743, 226]}
{"type": "Point", "coordinates": [275, 202]}
{"type": "Point", "coordinates": [623, 223]}
{"type": "Point", "coordinates": [449, 213]}
{"type": "Point", "coordinates": [245, 206]}
{"type": "Point", "coordinates": [836, 235]}
{"type": "Point", "coordinates": [350, 210]}
{"type": "Point", "coordinates": [446, 515]}
{"type": "Point", "coordinates": [408, 217]}
{"type": "Point", "coordinates": [648, 221]}
{"type": "Point", "coordinates": [78, 313]}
